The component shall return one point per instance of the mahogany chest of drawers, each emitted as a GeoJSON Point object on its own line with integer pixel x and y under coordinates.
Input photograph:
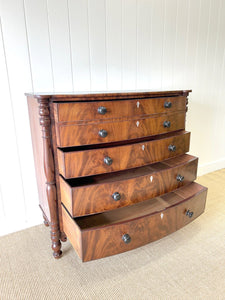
{"type": "Point", "coordinates": [112, 168]}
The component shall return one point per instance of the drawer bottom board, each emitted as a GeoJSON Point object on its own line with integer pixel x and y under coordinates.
{"type": "Point", "coordinates": [127, 228]}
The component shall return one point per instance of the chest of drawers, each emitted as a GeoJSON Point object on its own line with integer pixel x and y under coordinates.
{"type": "Point", "coordinates": [112, 168]}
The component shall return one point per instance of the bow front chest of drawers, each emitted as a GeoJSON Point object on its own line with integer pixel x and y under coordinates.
{"type": "Point", "coordinates": [112, 168]}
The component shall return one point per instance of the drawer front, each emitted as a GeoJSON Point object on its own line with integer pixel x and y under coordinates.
{"type": "Point", "coordinates": [75, 135]}
{"type": "Point", "coordinates": [71, 112]}
{"type": "Point", "coordinates": [157, 180]}
{"type": "Point", "coordinates": [92, 162]}
{"type": "Point", "coordinates": [111, 236]}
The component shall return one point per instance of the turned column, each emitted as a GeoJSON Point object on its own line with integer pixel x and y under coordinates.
{"type": "Point", "coordinates": [49, 169]}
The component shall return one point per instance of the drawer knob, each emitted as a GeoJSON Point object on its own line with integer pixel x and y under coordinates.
{"type": "Point", "coordinates": [108, 160]}
{"type": "Point", "coordinates": [116, 196]}
{"type": "Point", "coordinates": [180, 178]}
{"type": "Point", "coordinates": [126, 238]}
{"type": "Point", "coordinates": [102, 133]}
{"type": "Point", "coordinates": [189, 213]}
{"type": "Point", "coordinates": [102, 110]}
{"type": "Point", "coordinates": [167, 104]}
{"type": "Point", "coordinates": [172, 148]}
{"type": "Point", "coordinates": [166, 124]}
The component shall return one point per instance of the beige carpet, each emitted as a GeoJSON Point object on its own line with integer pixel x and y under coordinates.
{"type": "Point", "coordinates": [189, 264]}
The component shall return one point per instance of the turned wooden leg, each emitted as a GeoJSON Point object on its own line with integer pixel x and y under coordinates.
{"type": "Point", "coordinates": [49, 169]}
{"type": "Point", "coordinates": [45, 221]}
{"type": "Point", "coordinates": [56, 244]}
{"type": "Point", "coordinates": [63, 236]}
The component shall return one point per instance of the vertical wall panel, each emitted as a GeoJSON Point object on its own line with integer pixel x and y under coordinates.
{"type": "Point", "coordinates": [38, 39]}
{"type": "Point", "coordinates": [219, 80]}
{"type": "Point", "coordinates": [169, 39]}
{"type": "Point", "coordinates": [129, 44]}
{"type": "Point", "coordinates": [79, 35]}
{"type": "Point", "coordinates": [18, 67]}
{"type": "Point", "coordinates": [66, 45]}
{"type": "Point", "coordinates": [180, 43]}
{"type": "Point", "coordinates": [114, 43]}
{"type": "Point", "coordinates": [60, 44]}
{"type": "Point", "coordinates": [97, 38]}
{"type": "Point", "coordinates": [144, 16]}
{"type": "Point", "coordinates": [12, 194]}
{"type": "Point", "coordinates": [157, 36]}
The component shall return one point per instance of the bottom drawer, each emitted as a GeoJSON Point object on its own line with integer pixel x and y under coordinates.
{"type": "Point", "coordinates": [127, 228]}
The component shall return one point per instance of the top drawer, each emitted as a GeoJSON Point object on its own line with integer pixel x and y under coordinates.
{"type": "Point", "coordinates": [101, 110]}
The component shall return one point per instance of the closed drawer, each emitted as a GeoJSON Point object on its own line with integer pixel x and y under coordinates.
{"type": "Point", "coordinates": [127, 228]}
{"type": "Point", "coordinates": [76, 111]}
{"type": "Point", "coordinates": [110, 159]}
{"type": "Point", "coordinates": [94, 194]}
{"type": "Point", "coordinates": [69, 135]}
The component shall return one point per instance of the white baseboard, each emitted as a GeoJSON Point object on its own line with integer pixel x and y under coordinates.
{"type": "Point", "coordinates": [211, 167]}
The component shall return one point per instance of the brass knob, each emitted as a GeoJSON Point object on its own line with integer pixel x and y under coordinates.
{"type": "Point", "coordinates": [166, 124]}
{"type": "Point", "coordinates": [116, 196]}
{"type": "Point", "coordinates": [102, 133]}
{"type": "Point", "coordinates": [167, 104]}
{"type": "Point", "coordinates": [172, 148]}
{"type": "Point", "coordinates": [102, 110]}
{"type": "Point", "coordinates": [189, 213]}
{"type": "Point", "coordinates": [180, 178]}
{"type": "Point", "coordinates": [108, 160]}
{"type": "Point", "coordinates": [126, 238]}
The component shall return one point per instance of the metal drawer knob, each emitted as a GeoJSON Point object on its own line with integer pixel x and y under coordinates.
{"type": "Point", "coordinates": [102, 110]}
{"type": "Point", "coordinates": [108, 160]}
{"type": "Point", "coordinates": [180, 178]}
{"type": "Point", "coordinates": [126, 238]}
{"type": "Point", "coordinates": [102, 133]}
{"type": "Point", "coordinates": [116, 196]}
{"type": "Point", "coordinates": [172, 148]}
{"type": "Point", "coordinates": [189, 213]}
{"type": "Point", "coordinates": [166, 124]}
{"type": "Point", "coordinates": [167, 104]}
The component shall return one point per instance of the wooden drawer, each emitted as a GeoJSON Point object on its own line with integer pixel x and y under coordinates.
{"type": "Point", "coordinates": [77, 111]}
{"type": "Point", "coordinates": [127, 228]}
{"type": "Point", "coordinates": [91, 162]}
{"type": "Point", "coordinates": [70, 134]}
{"type": "Point", "coordinates": [94, 194]}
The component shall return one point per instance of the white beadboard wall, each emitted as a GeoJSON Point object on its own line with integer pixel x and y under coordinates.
{"type": "Point", "coordinates": [81, 45]}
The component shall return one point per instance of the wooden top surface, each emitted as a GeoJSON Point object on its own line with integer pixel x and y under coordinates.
{"type": "Point", "coordinates": [107, 95]}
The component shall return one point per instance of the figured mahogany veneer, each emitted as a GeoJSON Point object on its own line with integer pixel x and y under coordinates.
{"type": "Point", "coordinates": [111, 168]}
{"type": "Point", "coordinates": [102, 234]}
{"type": "Point", "coordinates": [93, 194]}
{"type": "Point", "coordinates": [79, 163]}
{"type": "Point", "coordinates": [69, 134]}
{"type": "Point", "coordinates": [101, 110]}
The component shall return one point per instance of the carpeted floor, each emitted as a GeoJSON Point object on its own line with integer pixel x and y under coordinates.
{"type": "Point", "coordinates": [188, 264]}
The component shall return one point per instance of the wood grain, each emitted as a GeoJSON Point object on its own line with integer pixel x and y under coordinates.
{"type": "Point", "coordinates": [91, 162]}
{"type": "Point", "coordinates": [74, 135]}
{"type": "Point", "coordinates": [76, 111]}
{"type": "Point", "coordinates": [146, 222]}
{"type": "Point", "coordinates": [37, 144]}
{"type": "Point", "coordinates": [94, 194]}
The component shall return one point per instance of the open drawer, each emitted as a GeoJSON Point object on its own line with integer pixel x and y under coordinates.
{"type": "Point", "coordinates": [130, 227]}
{"type": "Point", "coordinates": [99, 193]}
